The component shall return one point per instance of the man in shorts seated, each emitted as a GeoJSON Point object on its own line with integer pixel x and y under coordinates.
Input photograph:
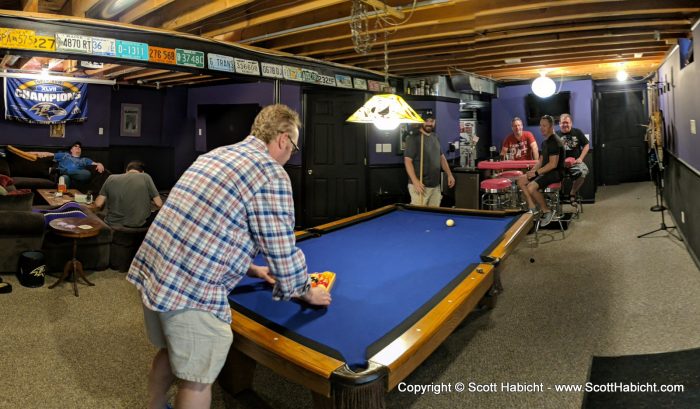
{"type": "Point", "coordinates": [575, 146]}
{"type": "Point", "coordinates": [549, 169]}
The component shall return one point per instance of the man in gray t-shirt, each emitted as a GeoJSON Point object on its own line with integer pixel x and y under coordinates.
{"type": "Point", "coordinates": [427, 192]}
{"type": "Point", "coordinates": [129, 196]}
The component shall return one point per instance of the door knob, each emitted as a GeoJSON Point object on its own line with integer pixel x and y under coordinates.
{"type": "Point", "coordinates": [310, 171]}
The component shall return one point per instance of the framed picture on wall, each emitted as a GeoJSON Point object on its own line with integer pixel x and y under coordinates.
{"type": "Point", "coordinates": [57, 130]}
{"type": "Point", "coordinates": [130, 120]}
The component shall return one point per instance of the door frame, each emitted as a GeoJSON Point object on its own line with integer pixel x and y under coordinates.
{"type": "Point", "coordinates": [599, 89]}
{"type": "Point", "coordinates": [305, 92]}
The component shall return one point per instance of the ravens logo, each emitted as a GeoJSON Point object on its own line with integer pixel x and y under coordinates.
{"type": "Point", "coordinates": [48, 110]}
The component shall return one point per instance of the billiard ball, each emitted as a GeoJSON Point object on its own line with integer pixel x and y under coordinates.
{"type": "Point", "coordinates": [450, 222]}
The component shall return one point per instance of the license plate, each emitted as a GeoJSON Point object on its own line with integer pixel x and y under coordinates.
{"type": "Point", "coordinates": [162, 55]}
{"type": "Point", "coordinates": [73, 43]}
{"type": "Point", "coordinates": [104, 46]}
{"type": "Point", "coordinates": [190, 58]}
{"type": "Point", "coordinates": [132, 50]}
{"type": "Point", "coordinates": [248, 67]}
{"type": "Point", "coordinates": [220, 62]}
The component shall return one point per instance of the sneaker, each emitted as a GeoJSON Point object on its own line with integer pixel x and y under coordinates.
{"type": "Point", "coordinates": [547, 218]}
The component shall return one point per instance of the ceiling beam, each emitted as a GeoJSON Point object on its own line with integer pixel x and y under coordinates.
{"type": "Point", "coordinates": [332, 41]}
{"type": "Point", "coordinates": [309, 6]}
{"type": "Point", "coordinates": [591, 55]}
{"type": "Point", "coordinates": [506, 52]}
{"type": "Point", "coordinates": [380, 6]}
{"type": "Point", "coordinates": [202, 13]}
{"type": "Point", "coordinates": [143, 9]}
{"type": "Point", "coordinates": [31, 6]}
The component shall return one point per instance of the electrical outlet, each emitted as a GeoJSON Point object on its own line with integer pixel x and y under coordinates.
{"type": "Point", "coordinates": [378, 147]}
{"type": "Point", "coordinates": [693, 128]}
{"type": "Point", "coordinates": [100, 131]}
{"type": "Point", "coordinates": [200, 131]}
{"type": "Point", "coordinates": [387, 148]}
{"type": "Point", "coordinates": [682, 217]}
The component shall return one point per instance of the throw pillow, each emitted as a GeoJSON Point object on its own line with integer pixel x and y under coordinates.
{"type": "Point", "coordinates": [6, 181]}
{"type": "Point", "coordinates": [3, 191]}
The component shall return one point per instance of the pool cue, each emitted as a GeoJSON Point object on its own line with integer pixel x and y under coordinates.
{"type": "Point", "coordinates": [421, 165]}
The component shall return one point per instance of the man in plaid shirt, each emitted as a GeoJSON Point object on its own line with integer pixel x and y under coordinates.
{"type": "Point", "coordinates": [232, 203]}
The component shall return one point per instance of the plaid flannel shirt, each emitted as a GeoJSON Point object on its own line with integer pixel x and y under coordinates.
{"type": "Point", "coordinates": [232, 203]}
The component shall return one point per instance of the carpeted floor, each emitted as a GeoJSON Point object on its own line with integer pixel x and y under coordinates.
{"type": "Point", "coordinates": [600, 291]}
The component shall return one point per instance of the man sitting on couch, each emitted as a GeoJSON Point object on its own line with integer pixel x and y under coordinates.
{"type": "Point", "coordinates": [71, 165]}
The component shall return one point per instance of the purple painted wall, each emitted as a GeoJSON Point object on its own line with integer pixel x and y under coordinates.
{"type": "Point", "coordinates": [99, 101]}
{"type": "Point", "coordinates": [681, 104]}
{"type": "Point", "coordinates": [511, 103]}
{"type": "Point", "coordinates": [152, 105]}
{"type": "Point", "coordinates": [261, 93]}
{"type": "Point", "coordinates": [447, 128]}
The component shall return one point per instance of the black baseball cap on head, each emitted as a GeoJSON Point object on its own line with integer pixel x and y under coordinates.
{"type": "Point", "coordinates": [76, 143]}
{"type": "Point", "coordinates": [428, 115]}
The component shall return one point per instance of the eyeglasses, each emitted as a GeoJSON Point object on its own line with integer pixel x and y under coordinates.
{"type": "Point", "coordinates": [296, 148]}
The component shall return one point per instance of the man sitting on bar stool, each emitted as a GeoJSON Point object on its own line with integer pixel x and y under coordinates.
{"type": "Point", "coordinates": [575, 146]}
{"type": "Point", "coordinates": [549, 169]}
{"type": "Point", "coordinates": [519, 145]}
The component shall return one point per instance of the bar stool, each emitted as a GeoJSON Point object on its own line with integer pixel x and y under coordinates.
{"type": "Point", "coordinates": [568, 163]}
{"type": "Point", "coordinates": [496, 192]}
{"type": "Point", "coordinates": [516, 200]}
{"type": "Point", "coordinates": [551, 196]}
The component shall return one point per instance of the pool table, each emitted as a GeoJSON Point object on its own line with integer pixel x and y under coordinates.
{"type": "Point", "coordinates": [404, 281]}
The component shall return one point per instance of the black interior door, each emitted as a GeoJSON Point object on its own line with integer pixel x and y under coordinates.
{"type": "Point", "coordinates": [227, 124]}
{"type": "Point", "coordinates": [620, 138]}
{"type": "Point", "coordinates": [334, 153]}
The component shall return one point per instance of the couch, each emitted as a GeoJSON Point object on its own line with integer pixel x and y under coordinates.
{"type": "Point", "coordinates": [42, 173]}
{"type": "Point", "coordinates": [20, 230]}
{"type": "Point", "coordinates": [28, 174]}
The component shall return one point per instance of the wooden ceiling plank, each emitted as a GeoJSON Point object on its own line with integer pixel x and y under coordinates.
{"type": "Point", "coordinates": [31, 6]}
{"type": "Point", "coordinates": [209, 10]}
{"type": "Point", "coordinates": [143, 9]}
{"type": "Point", "coordinates": [509, 52]}
{"type": "Point", "coordinates": [185, 79]}
{"type": "Point", "coordinates": [380, 6]}
{"type": "Point", "coordinates": [334, 47]}
{"type": "Point", "coordinates": [520, 37]}
{"type": "Point", "coordinates": [144, 74]}
{"type": "Point", "coordinates": [544, 12]}
{"type": "Point", "coordinates": [297, 8]}
{"type": "Point", "coordinates": [122, 71]}
{"type": "Point", "coordinates": [586, 57]}
{"type": "Point", "coordinates": [170, 75]}
{"type": "Point", "coordinates": [431, 14]}
{"type": "Point", "coordinates": [479, 65]}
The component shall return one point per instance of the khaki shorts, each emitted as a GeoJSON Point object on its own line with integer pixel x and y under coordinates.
{"type": "Point", "coordinates": [196, 340]}
{"type": "Point", "coordinates": [431, 197]}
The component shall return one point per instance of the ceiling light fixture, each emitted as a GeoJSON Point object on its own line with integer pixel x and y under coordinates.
{"type": "Point", "coordinates": [622, 75]}
{"type": "Point", "coordinates": [385, 111]}
{"type": "Point", "coordinates": [543, 86]}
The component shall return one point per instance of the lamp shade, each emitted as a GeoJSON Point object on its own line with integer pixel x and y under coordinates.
{"type": "Point", "coordinates": [543, 86]}
{"type": "Point", "coordinates": [386, 112]}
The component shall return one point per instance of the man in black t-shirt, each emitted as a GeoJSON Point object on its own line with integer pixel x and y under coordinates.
{"type": "Point", "coordinates": [549, 169]}
{"type": "Point", "coordinates": [575, 146]}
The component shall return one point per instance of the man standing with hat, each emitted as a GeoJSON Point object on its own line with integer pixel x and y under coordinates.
{"type": "Point", "coordinates": [423, 159]}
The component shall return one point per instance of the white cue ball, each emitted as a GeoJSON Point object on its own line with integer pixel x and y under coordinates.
{"type": "Point", "coordinates": [450, 222]}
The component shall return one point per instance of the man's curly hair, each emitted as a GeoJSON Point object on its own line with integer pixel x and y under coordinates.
{"type": "Point", "coordinates": [273, 120]}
